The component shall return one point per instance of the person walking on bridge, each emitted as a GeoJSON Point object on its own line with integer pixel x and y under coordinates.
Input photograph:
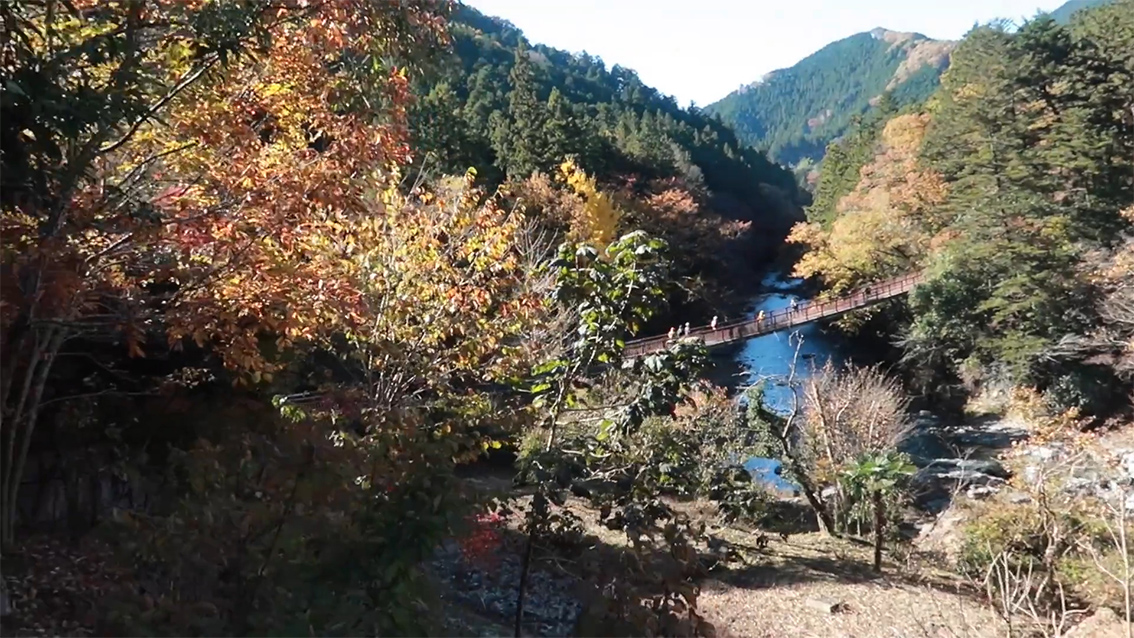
{"type": "Point", "coordinates": [794, 305]}
{"type": "Point", "coordinates": [713, 323]}
{"type": "Point", "coordinates": [686, 328]}
{"type": "Point", "coordinates": [672, 333]}
{"type": "Point", "coordinates": [759, 318]}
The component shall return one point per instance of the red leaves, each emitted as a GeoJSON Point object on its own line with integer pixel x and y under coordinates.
{"type": "Point", "coordinates": [481, 545]}
{"type": "Point", "coordinates": [275, 165]}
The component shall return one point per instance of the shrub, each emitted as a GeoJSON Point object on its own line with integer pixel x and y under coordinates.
{"type": "Point", "coordinates": [1066, 545]}
{"type": "Point", "coordinates": [1091, 582]}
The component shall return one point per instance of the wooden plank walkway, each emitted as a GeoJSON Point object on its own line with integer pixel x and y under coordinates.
{"type": "Point", "coordinates": [785, 318]}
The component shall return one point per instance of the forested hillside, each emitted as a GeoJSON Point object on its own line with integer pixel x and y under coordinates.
{"type": "Point", "coordinates": [1063, 14]}
{"type": "Point", "coordinates": [314, 320]}
{"type": "Point", "coordinates": [796, 112]}
{"type": "Point", "coordinates": [514, 111]}
{"type": "Point", "coordinates": [259, 317]}
{"type": "Point", "coordinates": [508, 107]}
{"type": "Point", "coordinates": [1013, 188]}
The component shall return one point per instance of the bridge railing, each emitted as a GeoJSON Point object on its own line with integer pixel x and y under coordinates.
{"type": "Point", "coordinates": [786, 317]}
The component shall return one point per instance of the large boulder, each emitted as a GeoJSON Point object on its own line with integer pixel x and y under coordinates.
{"type": "Point", "coordinates": [995, 435]}
{"type": "Point", "coordinates": [965, 472]}
{"type": "Point", "coordinates": [944, 535]}
{"type": "Point", "coordinates": [1097, 471]}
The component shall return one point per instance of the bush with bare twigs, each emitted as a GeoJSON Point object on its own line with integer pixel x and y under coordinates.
{"type": "Point", "coordinates": [1044, 562]}
{"type": "Point", "coordinates": [835, 418]}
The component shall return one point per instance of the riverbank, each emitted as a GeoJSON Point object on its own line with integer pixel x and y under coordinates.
{"type": "Point", "coordinates": [754, 584]}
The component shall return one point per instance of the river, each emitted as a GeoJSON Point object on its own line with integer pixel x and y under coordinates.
{"type": "Point", "coordinates": [769, 357]}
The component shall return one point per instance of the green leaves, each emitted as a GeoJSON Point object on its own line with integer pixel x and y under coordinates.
{"type": "Point", "coordinates": [796, 112]}
{"type": "Point", "coordinates": [1038, 165]}
{"type": "Point", "coordinates": [614, 291]}
{"type": "Point", "coordinates": [884, 471]}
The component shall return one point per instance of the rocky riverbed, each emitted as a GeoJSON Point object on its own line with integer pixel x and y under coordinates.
{"type": "Point", "coordinates": [959, 458]}
{"type": "Point", "coordinates": [980, 457]}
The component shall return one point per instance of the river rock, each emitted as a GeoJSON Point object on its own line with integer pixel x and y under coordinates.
{"type": "Point", "coordinates": [944, 535]}
{"type": "Point", "coordinates": [989, 436]}
{"type": "Point", "coordinates": [1098, 472]}
{"type": "Point", "coordinates": [826, 605]}
{"type": "Point", "coordinates": [980, 477]}
{"type": "Point", "coordinates": [978, 471]}
{"type": "Point", "coordinates": [552, 606]}
{"type": "Point", "coordinates": [1018, 498]}
{"type": "Point", "coordinates": [1042, 453]}
{"type": "Point", "coordinates": [936, 505]}
{"type": "Point", "coordinates": [1126, 463]}
{"type": "Point", "coordinates": [978, 492]}
{"type": "Point", "coordinates": [1104, 623]}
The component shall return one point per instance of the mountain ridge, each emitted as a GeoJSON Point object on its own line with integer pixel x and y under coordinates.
{"type": "Point", "coordinates": [1063, 13]}
{"type": "Point", "coordinates": [605, 117]}
{"type": "Point", "coordinates": [794, 112]}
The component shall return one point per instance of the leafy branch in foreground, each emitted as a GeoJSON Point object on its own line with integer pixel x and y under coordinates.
{"type": "Point", "coordinates": [612, 294]}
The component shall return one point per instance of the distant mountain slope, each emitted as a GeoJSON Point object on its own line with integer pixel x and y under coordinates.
{"type": "Point", "coordinates": [1062, 15]}
{"type": "Point", "coordinates": [795, 112]}
{"type": "Point", "coordinates": [476, 113]}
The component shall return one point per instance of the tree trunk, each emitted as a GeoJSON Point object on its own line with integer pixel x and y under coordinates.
{"type": "Point", "coordinates": [879, 528]}
{"type": "Point", "coordinates": [822, 515]}
{"type": "Point", "coordinates": [525, 567]}
{"type": "Point", "coordinates": [20, 424]}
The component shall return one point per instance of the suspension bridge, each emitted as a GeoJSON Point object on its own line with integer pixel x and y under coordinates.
{"type": "Point", "coordinates": [785, 318]}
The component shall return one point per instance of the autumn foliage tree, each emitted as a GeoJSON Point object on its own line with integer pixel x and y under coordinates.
{"type": "Point", "coordinates": [886, 223]}
{"type": "Point", "coordinates": [323, 519]}
{"type": "Point", "coordinates": [1008, 191]}
{"type": "Point", "coordinates": [189, 173]}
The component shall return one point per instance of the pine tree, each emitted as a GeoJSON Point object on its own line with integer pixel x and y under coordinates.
{"type": "Point", "coordinates": [518, 139]}
{"type": "Point", "coordinates": [442, 134]}
{"type": "Point", "coordinates": [560, 131]}
{"type": "Point", "coordinates": [1028, 167]}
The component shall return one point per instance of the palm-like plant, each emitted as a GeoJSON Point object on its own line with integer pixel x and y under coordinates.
{"type": "Point", "coordinates": [876, 477]}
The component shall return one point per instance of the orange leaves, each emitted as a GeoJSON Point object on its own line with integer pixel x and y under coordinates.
{"type": "Point", "coordinates": [886, 223]}
{"type": "Point", "coordinates": [236, 183]}
{"type": "Point", "coordinates": [274, 176]}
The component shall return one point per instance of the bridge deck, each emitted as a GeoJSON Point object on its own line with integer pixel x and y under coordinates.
{"type": "Point", "coordinates": [785, 318]}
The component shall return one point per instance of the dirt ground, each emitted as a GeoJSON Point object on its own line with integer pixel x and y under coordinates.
{"type": "Point", "coordinates": [811, 586]}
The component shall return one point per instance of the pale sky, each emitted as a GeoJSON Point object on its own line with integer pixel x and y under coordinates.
{"type": "Point", "coordinates": [701, 50]}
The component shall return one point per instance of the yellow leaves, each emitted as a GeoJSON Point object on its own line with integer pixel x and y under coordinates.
{"type": "Point", "coordinates": [262, 186]}
{"type": "Point", "coordinates": [597, 223]}
{"type": "Point", "coordinates": [178, 56]}
{"type": "Point", "coordinates": [439, 274]}
{"type": "Point", "coordinates": [905, 132]}
{"type": "Point", "coordinates": [971, 91]}
{"type": "Point", "coordinates": [886, 223]}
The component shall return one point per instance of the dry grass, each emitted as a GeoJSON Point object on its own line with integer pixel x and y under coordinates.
{"type": "Point", "coordinates": [766, 593]}
{"type": "Point", "coordinates": [770, 598]}
{"type": "Point", "coordinates": [873, 610]}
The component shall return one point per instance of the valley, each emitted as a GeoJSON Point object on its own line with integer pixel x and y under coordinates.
{"type": "Point", "coordinates": [368, 318]}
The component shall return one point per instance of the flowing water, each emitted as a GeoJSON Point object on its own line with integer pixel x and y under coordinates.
{"type": "Point", "coordinates": [769, 358]}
